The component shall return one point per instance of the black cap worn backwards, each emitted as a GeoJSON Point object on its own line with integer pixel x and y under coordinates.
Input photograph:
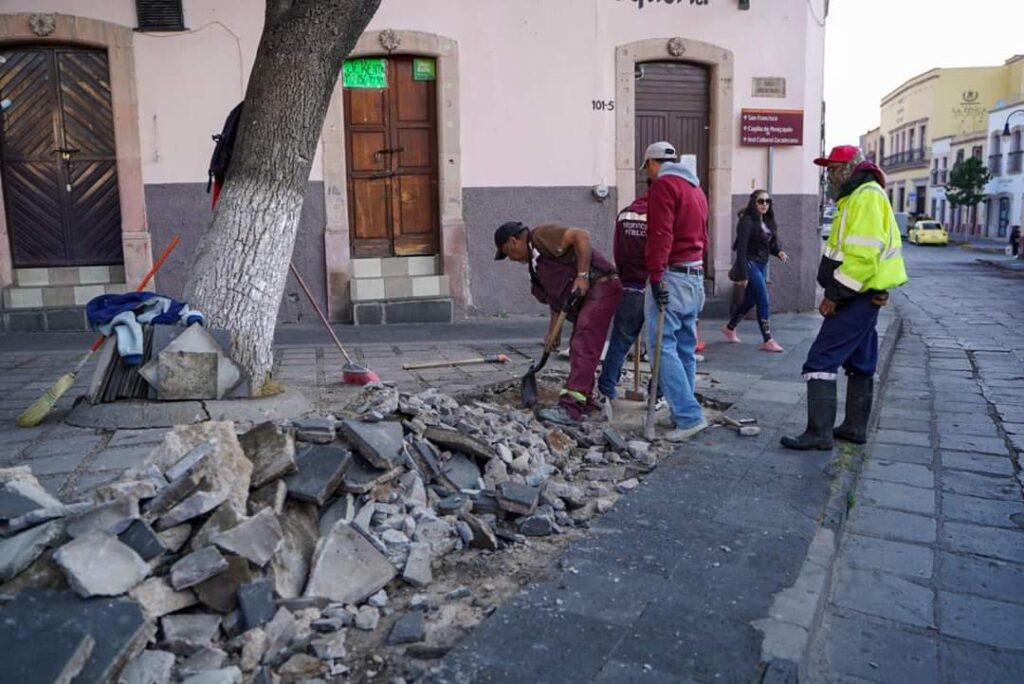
{"type": "Point", "coordinates": [503, 233]}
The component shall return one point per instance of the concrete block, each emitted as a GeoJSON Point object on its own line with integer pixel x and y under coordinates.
{"type": "Point", "coordinates": [187, 375]}
{"type": "Point", "coordinates": [347, 568]}
{"type": "Point", "coordinates": [97, 564]}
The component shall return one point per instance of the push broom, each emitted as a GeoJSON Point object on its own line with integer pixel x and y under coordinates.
{"type": "Point", "coordinates": [35, 413]}
{"type": "Point", "coordinates": [352, 373]}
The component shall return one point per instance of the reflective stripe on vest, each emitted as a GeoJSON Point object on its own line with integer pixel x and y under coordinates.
{"type": "Point", "coordinates": [886, 248]}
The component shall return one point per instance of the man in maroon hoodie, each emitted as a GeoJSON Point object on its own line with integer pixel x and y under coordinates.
{"type": "Point", "coordinates": [677, 216]}
{"type": "Point", "coordinates": [629, 247]}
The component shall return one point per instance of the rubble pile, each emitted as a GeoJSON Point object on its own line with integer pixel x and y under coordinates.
{"type": "Point", "coordinates": [238, 553]}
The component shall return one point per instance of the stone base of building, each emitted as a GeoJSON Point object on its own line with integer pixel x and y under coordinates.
{"type": "Point", "coordinates": [396, 312]}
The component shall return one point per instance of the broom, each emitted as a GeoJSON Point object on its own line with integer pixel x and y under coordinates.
{"type": "Point", "coordinates": [352, 373]}
{"type": "Point", "coordinates": [35, 413]}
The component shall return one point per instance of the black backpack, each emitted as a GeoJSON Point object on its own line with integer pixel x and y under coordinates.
{"type": "Point", "coordinates": [221, 158]}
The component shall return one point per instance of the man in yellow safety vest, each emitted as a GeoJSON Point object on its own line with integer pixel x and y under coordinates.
{"type": "Point", "coordinates": [862, 260]}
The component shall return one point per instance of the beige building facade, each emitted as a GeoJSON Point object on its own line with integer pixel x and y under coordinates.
{"type": "Point", "coordinates": [465, 117]}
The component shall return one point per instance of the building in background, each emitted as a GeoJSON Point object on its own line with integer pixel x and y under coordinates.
{"type": "Point", "coordinates": [1004, 201]}
{"type": "Point", "coordinates": [453, 118]}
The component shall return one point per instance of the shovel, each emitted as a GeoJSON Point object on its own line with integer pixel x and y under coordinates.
{"type": "Point", "coordinates": [528, 385]}
{"type": "Point", "coordinates": [652, 391]}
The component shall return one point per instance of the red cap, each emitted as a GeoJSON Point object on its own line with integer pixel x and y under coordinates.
{"type": "Point", "coordinates": [840, 154]}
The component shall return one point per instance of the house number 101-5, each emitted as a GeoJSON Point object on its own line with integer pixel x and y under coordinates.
{"type": "Point", "coordinates": [603, 105]}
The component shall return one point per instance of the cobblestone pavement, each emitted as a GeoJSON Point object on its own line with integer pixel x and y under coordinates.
{"type": "Point", "coordinates": [929, 583]}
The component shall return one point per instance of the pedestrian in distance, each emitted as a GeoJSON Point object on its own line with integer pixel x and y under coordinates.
{"type": "Point", "coordinates": [862, 261]}
{"type": "Point", "coordinates": [562, 266]}
{"type": "Point", "coordinates": [677, 215]}
{"type": "Point", "coordinates": [1015, 241]}
{"type": "Point", "coordinates": [757, 240]}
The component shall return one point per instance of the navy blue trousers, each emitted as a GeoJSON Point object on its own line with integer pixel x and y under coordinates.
{"type": "Point", "coordinates": [846, 340]}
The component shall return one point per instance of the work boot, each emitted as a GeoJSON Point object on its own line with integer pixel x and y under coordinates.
{"type": "Point", "coordinates": [558, 415]}
{"type": "Point", "coordinates": [821, 418]}
{"type": "Point", "coordinates": [859, 390]}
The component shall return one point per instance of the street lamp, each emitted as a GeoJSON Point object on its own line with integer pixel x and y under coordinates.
{"type": "Point", "coordinates": [1006, 126]}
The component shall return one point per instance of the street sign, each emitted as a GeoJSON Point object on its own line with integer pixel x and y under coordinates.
{"type": "Point", "coordinates": [771, 127]}
{"type": "Point", "coordinates": [424, 69]}
{"type": "Point", "coordinates": [365, 73]}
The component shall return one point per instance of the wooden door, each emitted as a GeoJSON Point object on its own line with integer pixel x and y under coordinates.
{"type": "Point", "coordinates": [673, 103]}
{"type": "Point", "coordinates": [59, 158]}
{"type": "Point", "coordinates": [391, 146]}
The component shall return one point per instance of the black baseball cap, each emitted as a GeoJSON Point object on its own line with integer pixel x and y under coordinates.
{"type": "Point", "coordinates": [503, 233]}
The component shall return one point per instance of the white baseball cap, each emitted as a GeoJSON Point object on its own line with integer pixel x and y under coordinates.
{"type": "Point", "coordinates": [660, 151]}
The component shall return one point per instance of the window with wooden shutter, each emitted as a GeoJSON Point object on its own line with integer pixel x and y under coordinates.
{"type": "Point", "coordinates": [160, 15]}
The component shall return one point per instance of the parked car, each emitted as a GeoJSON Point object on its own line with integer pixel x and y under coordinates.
{"type": "Point", "coordinates": [928, 233]}
{"type": "Point", "coordinates": [827, 217]}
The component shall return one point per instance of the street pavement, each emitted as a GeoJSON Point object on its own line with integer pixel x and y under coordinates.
{"type": "Point", "coordinates": [929, 583]}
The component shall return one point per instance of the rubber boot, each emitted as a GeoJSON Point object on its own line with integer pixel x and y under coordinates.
{"type": "Point", "coordinates": [859, 390]}
{"type": "Point", "coordinates": [821, 418]}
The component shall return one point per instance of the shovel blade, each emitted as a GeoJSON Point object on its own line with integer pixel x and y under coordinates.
{"type": "Point", "coordinates": [528, 388]}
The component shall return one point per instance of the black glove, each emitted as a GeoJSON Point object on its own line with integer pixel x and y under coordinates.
{"type": "Point", "coordinates": [660, 292]}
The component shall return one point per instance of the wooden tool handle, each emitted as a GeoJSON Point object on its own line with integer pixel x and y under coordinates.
{"type": "Point", "coordinates": [316, 307]}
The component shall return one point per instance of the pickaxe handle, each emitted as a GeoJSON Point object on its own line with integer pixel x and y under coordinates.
{"type": "Point", "coordinates": [490, 358]}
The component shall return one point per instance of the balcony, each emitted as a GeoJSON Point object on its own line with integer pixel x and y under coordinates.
{"type": "Point", "coordinates": [1013, 162]}
{"type": "Point", "coordinates": [995, 165]}
{"type": "Point", "coordinates": [909, 158]}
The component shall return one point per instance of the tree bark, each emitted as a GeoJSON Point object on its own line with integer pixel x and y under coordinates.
{"type": "Point", "coordinates": [241, 264]}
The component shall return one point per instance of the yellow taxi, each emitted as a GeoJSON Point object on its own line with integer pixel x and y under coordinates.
{"type": "Point", "coordinates": [928, 233]}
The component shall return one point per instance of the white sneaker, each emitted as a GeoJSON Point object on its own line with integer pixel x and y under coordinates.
{"type": "Point", "coordinates": [684, 435]}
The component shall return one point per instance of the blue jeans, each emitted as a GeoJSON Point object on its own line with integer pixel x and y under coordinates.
{"type": "Point", "coordinates": [756, 295]}
{"type": "Point", "coordinates": [678, 373]}
{"type": "Point", "coordinates": [629, 322]}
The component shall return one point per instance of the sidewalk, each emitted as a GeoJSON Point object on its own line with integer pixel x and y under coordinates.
{"type": "Point", "coordinates": [669, 585]}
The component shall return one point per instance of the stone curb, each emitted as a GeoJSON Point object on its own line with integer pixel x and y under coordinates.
{"type": "Point", "coordinates": [786, 646]}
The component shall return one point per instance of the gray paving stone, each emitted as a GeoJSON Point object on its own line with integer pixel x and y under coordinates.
{"type": "Point", "coordinates": [897, 496]}
{"type": "Point", "coordinates": [883, 522]}
{"type": "Point", "coordinates": [964, 662]}
{"type": "Point", "coordinates": [981, 463]}
{"type": "Point", "coordinates": [903, 473]}
{"type": "Point", "coordinates": [408, 629]}
{"type": "Point", "coordinates": [981, 486]}
{"type": "Point", "coordinates": [981, 620]}
{"type": "Point", "coordinates": [141, 538]}
{"type": "Point", "coordinates": [980, 511]}
{"type": "Point", "coordinates": [987, 577]}
{"type": "Point", "coordinates": [121, 458]}
{"type": "Point", "coordinates": [197, 567]}
{"type": "Point", "coordinates": [902, 437]}
{"type": "Point", "coordinates": [271, 450]}
{"type": "Point", "coordinates": [256, 539]}
{"type": "Point", "coordinates": [987, 445]}
{"type": "Point", "coordinates": [379, 443]}
{"type": "Point", "coordinates": [884, 595]}
{"type": "Point", "coordinates": [97, 564]}
{"type": "Point", "coordinates": [20, 551]}
{"type": "Point", "coordinates": [149, 667]}
{"type": "Point", "coordinates": [346, 567]}
{"type": "Point", "coordinates": [186, 634]}
{"type": "Point", "coordinates": [320, 470]}
{"type": "Point", "coordinates": [131, 438]}
{"type": "Point", "coordinates": [898, 558]}
{"type": "Point", "coordinates": [978, 426]}
{"type": "Point", "coordinates": [996, 542]}
{"type": "Point", "coordinates": [858, 647]}
{"type": "Point", "coordinates": [904, 453]}
{"type": "Point", "coordinates": [80, 445]}
{"type": "Point", "coordinates": [256, 601]}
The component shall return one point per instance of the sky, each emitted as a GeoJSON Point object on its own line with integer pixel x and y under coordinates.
{"type": "Point", "coordinates": [872, 46]}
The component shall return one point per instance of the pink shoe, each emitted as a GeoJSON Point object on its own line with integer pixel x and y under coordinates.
{"type": "Point", "coordinates": [771, 346]}
{"type": "Point", "coordinates": [730, 335]}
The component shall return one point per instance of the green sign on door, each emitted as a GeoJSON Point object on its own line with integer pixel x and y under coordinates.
{"type": "Point", "coordinates": [365, 73]}
{"type": "Point", "coordinates": [424, 70]}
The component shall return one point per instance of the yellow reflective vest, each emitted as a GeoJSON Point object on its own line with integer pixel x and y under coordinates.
{"type": "Point", "coordinates": [866, 241]}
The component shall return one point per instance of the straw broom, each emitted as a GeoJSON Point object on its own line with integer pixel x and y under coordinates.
{"type": "Point", "coordinates": [35, 413]}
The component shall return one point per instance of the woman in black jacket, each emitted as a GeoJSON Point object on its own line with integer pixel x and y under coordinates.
{"type": "Point", "coordinates": [757, 239]}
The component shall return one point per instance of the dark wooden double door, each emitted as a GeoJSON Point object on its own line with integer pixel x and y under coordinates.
{"type": "Point", "coordinates": [673, 103]}
{"type": "Point", "coordinates": [391, 153]}
{"type": "Point", "coordinates": [59, 157]}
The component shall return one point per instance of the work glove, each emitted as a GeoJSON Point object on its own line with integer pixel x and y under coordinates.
{"type": "Point", "coordinates": [660, 292]}
{"type": "Point", "coordinates": [880, 299]}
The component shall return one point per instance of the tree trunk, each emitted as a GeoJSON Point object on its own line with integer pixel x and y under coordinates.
{"type": "Point", "coordinates": [241, 264]}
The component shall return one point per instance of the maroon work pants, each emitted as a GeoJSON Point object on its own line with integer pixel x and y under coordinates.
{"type": "Point", "coordinates": [587, 342]}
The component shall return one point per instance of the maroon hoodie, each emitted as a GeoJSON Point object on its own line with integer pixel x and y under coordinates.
{"type": "Point", "coordinates": [631, 243]}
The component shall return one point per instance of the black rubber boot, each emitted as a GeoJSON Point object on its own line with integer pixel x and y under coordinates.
{"type": "Point", "coordinates": [859, 391]}
{"type": "Point", "coordinates": [821, 418]}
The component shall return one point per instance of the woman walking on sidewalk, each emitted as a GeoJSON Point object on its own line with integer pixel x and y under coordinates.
{"type": "Point", "coordinates": [757, 239]}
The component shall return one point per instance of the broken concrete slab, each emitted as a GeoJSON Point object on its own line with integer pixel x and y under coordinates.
{"type": "Point", "coordinates": [256, 601]}
{"type": "Point", "coordinates": [41, 515]}
{"type": "Point", "coordinates": [483, 534]}
{"type": "Point", "coordinates": [112, 518]}
{"type": "Point", "coordinates": [453, 440]}
{"type": "Point", "coordinates": [342, 509]}
{"type": "Point", "coordinates": [379, 443]}
{"type": "Point", "coordinates": [191, 460]}
{"type": "Point", "coordinates": [58, 657]}
{"type": "Point", "coordinates": [197, 567]}
{"type": "Point", "coordinates": [289, 567]}
{"type": "Point", "coordinates": [301, 667]}
{"type": "Point", "coordinates": [171, 495]}
{"type": "Point", "coordinates": [197, 504]}
{"type": "Point", "coordinates": [408, 629]}
{"type": "Point", "coordinates": [183, 375]}
{"type": "Point", "coordinates": [347, 568]}
{"type": "Point", "coordinates": [199, 339]}
{"type": "Point", "coordinates": [227, 675]}
{"type": "Point", "coordinates": [149, 667]}
{"type": "Point", "coordinates": [256, 539]}
{"type": "Point", "coordinates": [254, 645]}
{"type": "Point", "coordinates": [518, 499]}
{"type": "Point", "coordinates": [320, 470]}
{"type": "Point", "coordinates": [427, 459]}
{"type": "Point", "coordinates": [280, 407]}
{"type": "Point", "coordinates": [174, 538]}
{"type": "Point", "coordinates": [438, 534]}
{"type": "Point", "coordinates": [316, 429]}
{"type": "Point", "coordinates": [271, 495]}
{"type": "Point", "coordinates": [330, 647]}
{"type": "Point", "coordinates": [136, 414]}
{"type": "Point", "coordinates": [158, 598]}
{"type": "Point", "coordinates": [417, 570]}
{"type": "Point", "coordinates": [453, 504]}
{"type": "Point", "coordinates": [368, 618]}
{"type": "Point", "coordinates": [203, 660]}
{"type": "Point", "coordinates": [219, 593]}
{"type": "Point", "coordinates": [186, 634]}
{"type": "Point", "coordinates": [224, 518]}
{"type": "Point", "coordinates": [271, 450]}
{"type": "Point", "coordinates": [462, 473]}
{"type": "Point", "coordinates": [362, 476]}
{"type": "Point", "coordinates": [141, 539]}
{"type": "Point", "coordinates": [614, 440]}
{"type": "Point", "coordinates": [572, 495]}
{"type": "Point", "coordinates": [97, 564]}
{"type": "Point", "coordinates": [118, 628]}
{"type": "Point", "coordinates": [20, 551]}
{"type": "Point", "coordinates": [280, 632]}
{"type": "Point", "coordinates": [19, 497]}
